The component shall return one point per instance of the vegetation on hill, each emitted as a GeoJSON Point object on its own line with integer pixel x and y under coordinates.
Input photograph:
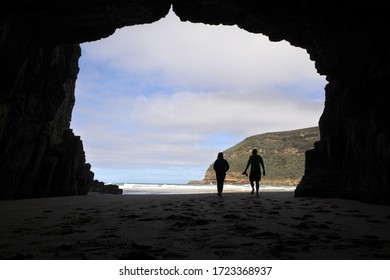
{"type": "Point", "coordinates": [283, 154]}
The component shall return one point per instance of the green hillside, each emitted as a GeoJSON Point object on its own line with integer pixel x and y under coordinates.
{"type": "Point", "coordinates": [283, 154]}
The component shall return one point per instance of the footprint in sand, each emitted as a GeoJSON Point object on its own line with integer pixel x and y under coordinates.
{"type": "Point", "coordinates": [223, 250]}
{"type": "Point", "coordinates": [332, 236]}
{"type": "Point", "coordinates": [374, 221]}
{"type": "Point", "coordinates": [310, 225]}
{"type": "Point", "coordinates": [298, 218]}
{"type": "Point", "coordinates": [273, 212]}
{"type": "Point", "coordinates": [308, 216]}
{"type": "Point", "coordinates": [370, 236]}
{"type": "Point", "coordinates": [267, 235]}
{"type": "Point", "coordinates": [105, 236]}
{"type": "Point", "coordinates": [136, 251]}
{"type": "Point", "coordinates": [224, 253]}
{"type": "Point", "coordinates": [232, 217]}
{"type": "Point", "coordinates": [40, 218]}
{"type": "Point", "coordinates": [129, 217]}
{"type": "Point", "coordinates": [175, 255]}
{"type": "Point", "coordinates": [320, 210]}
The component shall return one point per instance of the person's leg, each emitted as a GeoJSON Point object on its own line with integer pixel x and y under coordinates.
{"type": "Point", "coordinates": [219, 186]}
{"type": "Point", "coordinates": [257, 188]}
{"type": "Point", "coordinates": [252, 179]}
{"type": "Point", "coordinates": [220, 179]}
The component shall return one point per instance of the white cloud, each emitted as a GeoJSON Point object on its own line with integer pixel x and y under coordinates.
{"type": "Point", "coordinates": [230, 113]}
{"type": "Point", "coordinates": [170, 95]}
{"type": "Point", "coordinates": [202, 56]}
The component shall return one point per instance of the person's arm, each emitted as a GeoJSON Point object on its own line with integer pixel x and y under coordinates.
{"type": "Point", "coordinates": [226, 166]}
{"type": "Point", "coordinates": [262, 165]}
{"type": "Point", "coordinates": [247, 166]}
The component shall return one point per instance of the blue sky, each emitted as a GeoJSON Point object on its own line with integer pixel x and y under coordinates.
{"type": "Point", "coordinates": [155, 103]}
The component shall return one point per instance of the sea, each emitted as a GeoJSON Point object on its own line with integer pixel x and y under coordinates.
{"type": "Point", "coordinates": [164, 189]}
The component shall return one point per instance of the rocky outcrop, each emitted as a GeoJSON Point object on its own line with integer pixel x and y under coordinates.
{"type": "Point", "coordinates": [100, 187]}
{"type": "Point", "coordinates": [349, 44]}
{"type": "Point", "coordinates": [283, 153]}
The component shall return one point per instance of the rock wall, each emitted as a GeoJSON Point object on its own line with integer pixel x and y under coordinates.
{"type": "Point", "coordinates": [349, 44]}
{"type": "Point", "coordinates": [40, 155]}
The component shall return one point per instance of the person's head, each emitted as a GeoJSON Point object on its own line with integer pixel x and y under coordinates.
{"type": "Point", "coordinates": [220, 155]}
{"type": "Point", "coordinates": [254, 152]}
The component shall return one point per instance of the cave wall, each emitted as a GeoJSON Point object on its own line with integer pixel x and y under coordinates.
{"type": "Point", "coordinates": [40, 156]}
{"type": "Point", "coordinates": [39, 51]}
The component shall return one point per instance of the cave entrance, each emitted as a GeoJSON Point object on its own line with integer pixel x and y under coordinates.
{"type": "Point", "coordinates": [155, 103]}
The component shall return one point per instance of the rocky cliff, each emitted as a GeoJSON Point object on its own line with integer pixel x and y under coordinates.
{"type": "Point", "coordinates": [40, 155]}
{"type": "Point", "coordinates": [39, 51]}
{"type": "Point", "coordinates": [283, 154]}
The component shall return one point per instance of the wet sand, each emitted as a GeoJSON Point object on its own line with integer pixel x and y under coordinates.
{"type": "Point", "coordinates": [274, 226]}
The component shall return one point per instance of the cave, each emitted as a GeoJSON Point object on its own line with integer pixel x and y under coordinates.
{"type": "Point", "coordinates": [39, 53]}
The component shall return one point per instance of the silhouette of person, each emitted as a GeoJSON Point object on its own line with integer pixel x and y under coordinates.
{"type": "Point", "coordinates": [220, 166]}
{"type": "Point", "coordinates": [255, 161]}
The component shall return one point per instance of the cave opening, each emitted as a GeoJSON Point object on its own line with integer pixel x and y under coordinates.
{"type": "Point", "coordinates": [155, 103]}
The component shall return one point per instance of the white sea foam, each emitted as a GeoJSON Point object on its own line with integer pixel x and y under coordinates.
{"type": "Point", "coordinates": [142, 189]}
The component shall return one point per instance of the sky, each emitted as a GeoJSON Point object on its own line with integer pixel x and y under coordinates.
{"type": "Point", "coordinates": [155, 103]}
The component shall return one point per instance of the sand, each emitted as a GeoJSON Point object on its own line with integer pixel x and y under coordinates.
{"type": "Point", "coordinates": [274, 226]}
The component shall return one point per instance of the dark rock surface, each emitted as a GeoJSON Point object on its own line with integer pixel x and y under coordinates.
{"type": "Point", "coordinates": [100, 187]}
{"type": "Point", "coordinates": [39, 53]}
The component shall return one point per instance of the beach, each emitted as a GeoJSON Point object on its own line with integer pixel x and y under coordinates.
{"type": "Point", "coordinates": [195, 226]}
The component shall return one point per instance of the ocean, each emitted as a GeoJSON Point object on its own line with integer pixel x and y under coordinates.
{"type": "Point", "coordinates": [163, 189]}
